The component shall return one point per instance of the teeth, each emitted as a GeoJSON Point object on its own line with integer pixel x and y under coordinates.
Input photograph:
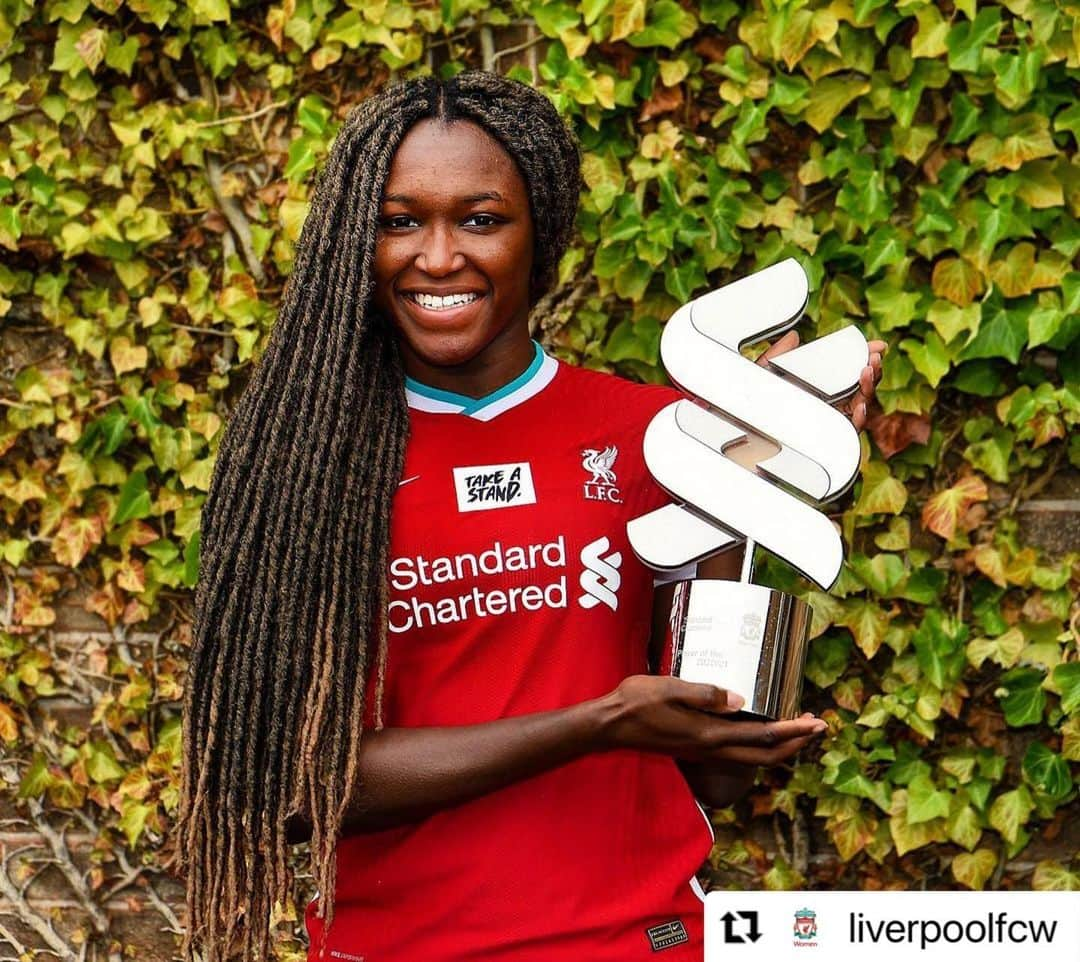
{"type": "Point", "coordinates": [434, 303]}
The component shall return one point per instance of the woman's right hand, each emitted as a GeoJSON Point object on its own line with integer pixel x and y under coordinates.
{"type": "Point", "coordinates": [661, 713]}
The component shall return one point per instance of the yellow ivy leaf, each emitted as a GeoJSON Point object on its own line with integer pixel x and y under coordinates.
{"type": "Point", "coordinates": [1004, 650]}
{"type": "Point", "coordinates": [907, 836]}
{"type": "Point", "coordinates": [627, 17]}
{"type": "Point", "coordinates": [963, 827]}
{"type": "Point", "coordinates": [830, 96]}
{"type": "Point", "coordinates": [91, 47]}
{"type": "Point", "coordinates": [9, 726]}
{"type": "Point", "coordinates": [75, 537]}
{"type": "Point", "coordinates": [27, 488]}
{"type": "Point", "coordinates": [950, 320]}
{"type": "Point", "coordinates": [956, 280]}
{"type": "Point", "coordinates": [205, 423]}
{"type": "Point", "coordinates": [673, 72]}
{"type": "Point", "coordinates": [1010, 811]}
{"type": "Point", "coordinates": [197, 474]}
{"type": "Point", "coordinates": [1037, 186]}
{"type": "Point", "coordinates": [942, 512]}
{"type": "Point", "coordinates": [1070, 739]}
{"type": "Point", "coordinates": [852, 835]}
{"type": "Point", "coordinates": [132, 576]}
{"type": "Point", "coordinates": [1013, 274]}
{"type": "Point", "coordinates": [867, 623]}
{"type": "Point", "coordinates": [880, 493]}
{"type": "Point", "coordinates": [973, 869]}
{"type": "Point", "coordinates": [933, 29]}
{"type": "Point", "coordinates": [1029, 140]}
{"type": "Point", "coordinates": [575, 41]}
{"type": "Point", "coordinates": [1050, 876]}
{"type": "Point", "coordinates": [291, 214]}
{"type": "Point", "coordinates": [988, 560]}
{"type": "Point", "coordinates": [126, 356]}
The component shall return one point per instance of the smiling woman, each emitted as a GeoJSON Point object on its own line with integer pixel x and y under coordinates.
{"type": "Point", "coordinates": [501, 781]}
{"type": "Point", "coordinates": [454, 260]}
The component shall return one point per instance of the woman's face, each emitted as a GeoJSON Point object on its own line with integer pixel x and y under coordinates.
{"type": "Point", "coordinates": [455, 247]}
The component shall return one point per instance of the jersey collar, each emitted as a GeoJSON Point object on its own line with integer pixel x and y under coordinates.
{"type": "Point", "coordinates": [528, 383]}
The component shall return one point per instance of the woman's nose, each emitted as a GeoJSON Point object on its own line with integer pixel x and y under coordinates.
{"type": "Point", "coordinates": [438, 254]}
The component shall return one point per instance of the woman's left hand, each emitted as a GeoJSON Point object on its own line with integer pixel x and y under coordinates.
{"type": "Point", "coordinates": [857, 406]}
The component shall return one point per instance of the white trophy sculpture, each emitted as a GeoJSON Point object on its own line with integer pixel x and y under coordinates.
{"type": "Point", "coordinates": [740, 636]}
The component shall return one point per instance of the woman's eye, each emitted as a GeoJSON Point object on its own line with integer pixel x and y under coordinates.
{"type": "Point", "coordinates": [482, 220]}
{"type": "Point", "coordinates": [397, 221]}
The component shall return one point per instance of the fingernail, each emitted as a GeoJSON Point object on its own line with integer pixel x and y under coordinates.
{"type": "Point", "coordinates": [820, 726]}
{"type": "Point", "coordinates": [735, 701]}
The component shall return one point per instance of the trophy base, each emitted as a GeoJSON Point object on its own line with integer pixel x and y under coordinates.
{"type": "Point", "coordinates": [744, 638]}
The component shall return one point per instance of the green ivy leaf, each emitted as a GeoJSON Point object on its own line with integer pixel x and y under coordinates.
{"type": "Point", "coordinates": [313, 114]}
{"type": "Point", "coordinates": [828, 658]}
{"type": "Point", "coordinates": [1002, 332]}
{"type": "Point", "coordinates": [134, 499]}
{"type": "Point", "coordinates": [210, 10]}
{"type": "Point", "coordinates": [1066, 681]}
{"type": "Point", "coordinates": [303, 153]}
{"type": "Point", "coordinates": [191, 561]}
{"type": "Point", "coordinates": [667, 25]}
{"type": "Point", "coordinates": [925, 800]}
{"type": "Point", "coordinates": [1047, 772]}
{"type": "Point", "coordinates": [682, 280]}
{"type": "Point", "coordinates": [930, 356]}
{"type": "Point", "coordinates": [101, 763]}
{"type": "Point", "coordinates": [885, 247]}
{"type": "Point", "coordinates": [966, 41]}
{"type": "Point", "coordinates": [37, 779]}
{"type": "Point", "coordinates": [554, 18]}
{"type": "Point", "coordinates": [881, 574]}
{"type": "Point", "coordinates": [133, 818]}
{"type": "Point", "coordinates": [939, 647]}
{"type": "Point", "coordinates": [1021, 696]}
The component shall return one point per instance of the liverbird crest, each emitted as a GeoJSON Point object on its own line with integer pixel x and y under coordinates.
{"type": "Point", "coordinates": [599, 463]}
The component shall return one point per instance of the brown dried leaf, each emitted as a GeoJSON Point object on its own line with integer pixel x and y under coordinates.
{"type": "Point", "coordinates": [663, 101]}
{"type": "Point", "coordinates": [894, 432]}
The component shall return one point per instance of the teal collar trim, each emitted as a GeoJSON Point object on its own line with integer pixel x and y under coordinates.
{"type": "Point", "coordinates": [525, 385]}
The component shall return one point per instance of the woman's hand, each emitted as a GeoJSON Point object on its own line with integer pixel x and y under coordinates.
{"type": "Point", "coordinates": [857, 406]}
{"type": "Point", "coordinates": [686, 720]}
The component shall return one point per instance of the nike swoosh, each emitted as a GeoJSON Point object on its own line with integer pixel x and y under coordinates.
{"type": "Point", "coordinates": [407, 480]}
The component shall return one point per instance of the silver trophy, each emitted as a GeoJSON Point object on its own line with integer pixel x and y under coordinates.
{"type": "Point", "coordinates": [740, 636]}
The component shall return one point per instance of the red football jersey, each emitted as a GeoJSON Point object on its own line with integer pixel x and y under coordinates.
{"type": "Point", "coordinates": [514, 590]}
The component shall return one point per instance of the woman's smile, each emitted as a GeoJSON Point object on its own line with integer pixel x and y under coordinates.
{"type": "Point", "coordinates": [441, 302]}
{"type": "Point", "coordinates": [443, 309]}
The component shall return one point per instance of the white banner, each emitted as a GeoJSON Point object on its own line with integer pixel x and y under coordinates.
{"type": "Point", "coordinates": [855, 926]}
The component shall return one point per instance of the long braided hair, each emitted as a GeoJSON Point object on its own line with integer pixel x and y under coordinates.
{"type": "Point", "coordinates": [292, 592]}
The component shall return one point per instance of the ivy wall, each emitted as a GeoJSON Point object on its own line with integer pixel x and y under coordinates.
{"type": "Point", "coordinates": [919, 158]}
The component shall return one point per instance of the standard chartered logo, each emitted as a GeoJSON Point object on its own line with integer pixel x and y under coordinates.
{"type": "Point", "coordinates": [788, 402]}
{"type": "Point", "coordinates": [600, 578]}
{"type": "Point", "coordinates": [442, 590]}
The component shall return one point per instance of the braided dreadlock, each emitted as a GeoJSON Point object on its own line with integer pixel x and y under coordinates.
{"type": "Point", "coordinates": [292, 588]}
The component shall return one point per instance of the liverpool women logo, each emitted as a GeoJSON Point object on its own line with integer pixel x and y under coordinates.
{"type": "Point", "coordinates": [599, 464]}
